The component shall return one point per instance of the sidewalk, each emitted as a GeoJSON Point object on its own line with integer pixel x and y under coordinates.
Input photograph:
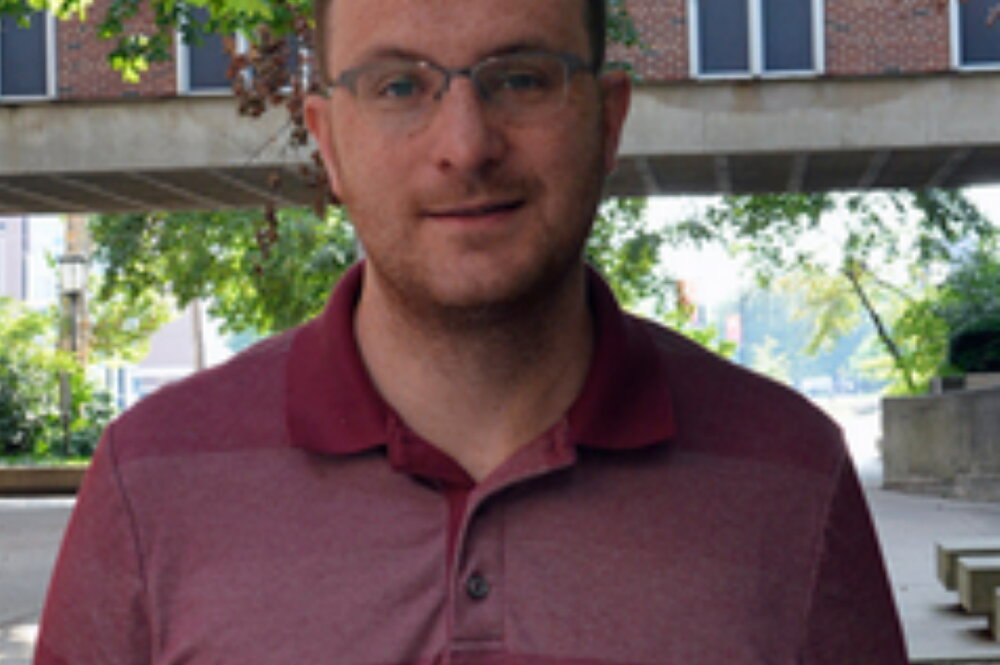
{"type": "Point", "coordinates": [908, 527]}
{"type": "Point", "coordinates": [30, 530]}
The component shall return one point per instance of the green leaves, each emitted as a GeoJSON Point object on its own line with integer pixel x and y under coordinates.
{"type": "Point", "coordinates": [969, 303]}
{"type": "Point", "coordinates": [30, 373]}
{"type": "Point", "coordinates": [875, 256]}
{"type": "Point", "coordinates": [62, 9]}
{"type": "Point", "coordinates": [627, 253]}
{"type": "Point", "coordinates": [621, 28]}
{"type": "Point", "coordinates": [258, 272]}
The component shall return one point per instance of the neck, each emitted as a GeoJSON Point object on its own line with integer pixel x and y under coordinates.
{"type": "Point", "coordinates": [478, 384]}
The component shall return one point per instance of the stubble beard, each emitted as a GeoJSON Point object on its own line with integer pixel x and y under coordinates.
{"type": "Point", "coordinates": [505, 304]}
{"type": "Point", "coordinates": [487, 308]}
{"type": "Point", "coordinates": [520, 300]}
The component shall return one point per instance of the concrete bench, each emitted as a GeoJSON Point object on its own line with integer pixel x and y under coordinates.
{"type": "Point", "coordinates": [978, 579]}
{"type": "Point", "coordinates": [949, 551]}
{"type": "Point", "coordinates": [29, 480]}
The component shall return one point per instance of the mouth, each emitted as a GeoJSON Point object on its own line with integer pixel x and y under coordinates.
{"type": "Point", "coordinates": [475, 210]}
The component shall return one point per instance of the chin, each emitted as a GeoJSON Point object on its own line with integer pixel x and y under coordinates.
{"type": "Point", "coordinates": [514, 294]}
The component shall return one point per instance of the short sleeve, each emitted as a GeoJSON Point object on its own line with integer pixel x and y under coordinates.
{"type": "Point", "coordinates": [852, 617]}
{"type": "Point", "coordinates": [95, 610]}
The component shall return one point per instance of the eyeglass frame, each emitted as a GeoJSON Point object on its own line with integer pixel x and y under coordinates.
{"type": "Point", "coordinates": [573, 64]}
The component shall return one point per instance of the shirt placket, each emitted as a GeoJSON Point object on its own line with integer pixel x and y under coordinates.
{"type": "Point", "coordinates": [478, 582]}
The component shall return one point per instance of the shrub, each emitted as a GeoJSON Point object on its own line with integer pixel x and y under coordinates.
{"type": "Point", "coordinates": [971, 307]}
{"type": "Point", "coordinates": [31, 370]}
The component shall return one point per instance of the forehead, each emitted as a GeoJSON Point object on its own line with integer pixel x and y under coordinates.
{"type": "Point", "coordinates": [451, 32]}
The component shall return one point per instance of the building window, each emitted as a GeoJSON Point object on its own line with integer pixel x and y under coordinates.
{"type": "Point", "coordinates": [27, 62]}
{"type": "Point", "coordinates": [756, 37]}
{"type": "Point", "coordinates": [202, 66]}
{"type": "Point", "coordinates": [975, 41]}
{"type": "Point", "coordinates": [298, 59]}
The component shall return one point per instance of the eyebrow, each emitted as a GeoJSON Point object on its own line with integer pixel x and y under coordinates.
{"type": "Point", "coordinates": [399, 53]}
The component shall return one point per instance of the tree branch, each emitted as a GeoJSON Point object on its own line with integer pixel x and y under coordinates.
{"type": "Point", "coordinates": [883, 333]}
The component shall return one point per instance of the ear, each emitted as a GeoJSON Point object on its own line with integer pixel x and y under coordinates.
{"type": "Point", "coordinates": [616, 89]}
{"type": "Point", "coordinates": [318, 120]}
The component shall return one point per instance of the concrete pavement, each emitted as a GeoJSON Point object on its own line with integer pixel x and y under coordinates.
{"type": "Point", "coordinates": [30, 531]}
{"type": "Point", "coordinates": [937, 631]}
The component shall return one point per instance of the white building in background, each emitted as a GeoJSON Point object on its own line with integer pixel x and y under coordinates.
{"type": "Point", "coordinates": [29, 249]}
{"type": "Point", "coordinates": [26, 253]}
{"type": "Point", "coordinates": [172, 355]}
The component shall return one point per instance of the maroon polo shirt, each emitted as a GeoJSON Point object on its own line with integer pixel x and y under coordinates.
{"type": "Point", "coordinates": [604, 416]}
{"type": "Point", "coordinates": [276, 510]}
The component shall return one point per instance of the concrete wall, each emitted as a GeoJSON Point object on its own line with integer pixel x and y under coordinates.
{"type": "Point", "coordinates": [946, 444]}
{"type": "Point", "coordinates": [813, 115]}
{"type": "Point", "coordinates": [141, 134]}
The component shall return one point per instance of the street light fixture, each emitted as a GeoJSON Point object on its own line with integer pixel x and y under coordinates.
{"type": "Point", "coordinates": [73, 274]}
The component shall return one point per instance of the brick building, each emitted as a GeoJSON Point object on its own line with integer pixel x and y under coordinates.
{"type": "Point", "coordinates": [65, 60]}
{"type": "Point", "coordinates": [735, 95]}
{"type": "Point", "coordinates": [682, 40]}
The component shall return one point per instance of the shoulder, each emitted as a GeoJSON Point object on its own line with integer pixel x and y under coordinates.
{"type": "Point", "coordinates": [723, 408]}
{"type": "Point", "coordinates": [235, 403]}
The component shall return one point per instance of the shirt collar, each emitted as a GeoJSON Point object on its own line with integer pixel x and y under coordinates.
{"type": "Point", "coordinates": [332, 406]}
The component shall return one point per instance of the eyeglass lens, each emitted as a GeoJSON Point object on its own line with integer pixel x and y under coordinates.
{"type": "Point", "coordinates": [519, 87]}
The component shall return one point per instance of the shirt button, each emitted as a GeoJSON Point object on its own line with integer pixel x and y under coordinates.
{"type": "Point", "coordinates": [477, 587]}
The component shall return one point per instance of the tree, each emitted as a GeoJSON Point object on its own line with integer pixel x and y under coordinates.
{"type": "Point", "coordinates": [769, 359]}
{"type": "Point", "coordinates": [24, 402]}
{"type": "Point", "coordinates": [257, 274]}
{"type": "Point", "coordinates": [627, 252]}
{"type": "Point", "coordinates": [261, 276]}
{"type": "Point", "coordinates": [969, 304]}
{"type": "Point", "coordinates": [119, 328]}
{"type": "Point", "coordinates": [874, 255]}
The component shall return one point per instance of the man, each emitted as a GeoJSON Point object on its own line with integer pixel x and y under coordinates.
{"type": "Point", "coordinates": [472, 456]}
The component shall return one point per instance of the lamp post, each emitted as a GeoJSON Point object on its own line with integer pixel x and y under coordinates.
{"type": "Point", "coordinates": [72, 285]}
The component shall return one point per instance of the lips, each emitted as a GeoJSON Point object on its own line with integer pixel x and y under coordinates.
{"type": "Point", "coordinates": [475, 209]}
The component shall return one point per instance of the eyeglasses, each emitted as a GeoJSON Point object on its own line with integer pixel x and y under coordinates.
{"type": "Point", "coordinates": [518, 88]}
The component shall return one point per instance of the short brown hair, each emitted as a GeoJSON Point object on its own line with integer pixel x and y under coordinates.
{"type": "Point", "coordinates": [595, 18]}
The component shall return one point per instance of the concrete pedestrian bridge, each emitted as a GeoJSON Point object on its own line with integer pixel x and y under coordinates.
{"type": "Point", "coordinates": [807, 134]}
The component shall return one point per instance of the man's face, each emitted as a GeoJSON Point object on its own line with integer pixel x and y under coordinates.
{"type": "Point", "coordinates": [469, 210]}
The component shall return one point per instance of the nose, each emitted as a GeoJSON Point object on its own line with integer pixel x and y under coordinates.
{"type": "Point", "coordinates": [463, 135]}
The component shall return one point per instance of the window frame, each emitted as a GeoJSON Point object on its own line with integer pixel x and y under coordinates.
{"type": "Point", "coordinates": [955, 34]}
{"type": "Point", "coordinates": [51, 71]}
{"type": "Point", "coordinates": [304, 65]}
{"type": "Point", "coordinates": [183, 70]}
{"type": "Point", "coordinates": [756, 45]}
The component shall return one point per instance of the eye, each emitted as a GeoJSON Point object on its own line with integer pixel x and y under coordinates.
{"type": "Point", "coordinates": [398, 86]}
{"type": "Point", "coordinates": [394, 84]}
{"type": "Point", "coordinates": [524, 80]}
{"type": "Point", "coordinates": [523, 77]}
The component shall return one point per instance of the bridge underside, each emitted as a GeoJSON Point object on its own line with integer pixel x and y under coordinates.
{"type": "Point", "coordinates": [808, 172]}
{"type": "Point", "coordinates": [690, 138]}
{"type": "Point", "coordinates": [144, 191]}
{"type": "Point", "coordinates": [256, 186]}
